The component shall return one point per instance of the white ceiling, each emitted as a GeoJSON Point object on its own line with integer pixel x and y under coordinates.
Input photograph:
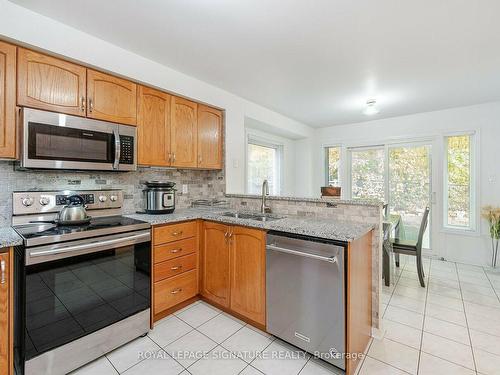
{"type": "Point", "coordinates": [315, 61]}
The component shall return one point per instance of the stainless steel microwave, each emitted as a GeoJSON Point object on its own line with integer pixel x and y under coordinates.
{"type": "Point", "coordinates": [58, 141]}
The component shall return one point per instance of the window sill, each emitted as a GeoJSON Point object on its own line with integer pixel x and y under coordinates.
{"type": "Point", "coordinates": [461, 232]}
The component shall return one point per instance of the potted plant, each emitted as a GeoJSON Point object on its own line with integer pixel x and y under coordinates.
{"type": "Point", "coordinates": [492, 214]}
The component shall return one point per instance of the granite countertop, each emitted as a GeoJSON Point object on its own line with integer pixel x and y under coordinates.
{"type": "Point", "coordinates": [358, 202]}
{"type": "Point", "coordinates": [9, 237]}
{"type": "Point", "coordinates": [322, 228]}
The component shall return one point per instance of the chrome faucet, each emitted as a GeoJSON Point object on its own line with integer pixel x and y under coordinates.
{"type": "Point", "coordinates": [265, 191]}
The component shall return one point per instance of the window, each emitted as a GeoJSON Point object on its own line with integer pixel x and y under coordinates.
{"type": "Point", "coordinates": [332, 155]}
{"type": "Point", "coordinates": [458, 192]}
{"type": "Point", "coordinates": [263, 163]}
{"type": "Point", "coordinates": [368, 173]}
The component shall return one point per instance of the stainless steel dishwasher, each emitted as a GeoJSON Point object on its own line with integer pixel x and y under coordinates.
{"type": "Point", "coordinates": [306, 294]}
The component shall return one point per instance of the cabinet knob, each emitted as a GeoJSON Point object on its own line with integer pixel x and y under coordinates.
{"type": "Point", "coordinates": [175, 291]}
{"type": "Point", "coordinates": [175, 268]}
{"type": "Point", "coordinates": [175, 251]}
{"type": "Point", "coordinates": [177, 233]}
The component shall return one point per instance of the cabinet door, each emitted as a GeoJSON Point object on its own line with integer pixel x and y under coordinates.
{"type": "Point", "coordinates": [5, 315]}
{"type": "Point", "coordinates": [48, 83]}
{"type": "Point", "coordinates": [7, 100]}
{"type": "Point", "coordinates": [248, 273]}
{"type": "Point", "coordinates": [184, 133]}
{"type": "Point", "coordinates": [153, 127]}
{"type": "Point", "coordinates": [215, 263]}
{"type": "Point", "coordinates": [209, 137]}
{"type": "Point", "coordinates": [111, 98]}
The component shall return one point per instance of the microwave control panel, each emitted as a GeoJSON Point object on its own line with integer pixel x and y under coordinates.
{"type": "Point", "coordinates": [127, 149]}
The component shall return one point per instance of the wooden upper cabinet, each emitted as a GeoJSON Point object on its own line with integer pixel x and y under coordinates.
{"type": "Point", "coordinates": [184, 133]}
{"type": "Point", "coordinates": [215, 263]}
{"type": "Point", "coordinates": [51, 84]}
{"type": "Point", "coordinates": [6, 321]}
{"type": "Point", "coordinates": [153, 127]}
{"type": "Point", "coordinates": [209, 137]}
{"type": "Point", "coordinates": [7, 100]}
{"type": "Point", "coordinates": [111, 98]}
{"type": "Point", "coordinates": [248, 273]}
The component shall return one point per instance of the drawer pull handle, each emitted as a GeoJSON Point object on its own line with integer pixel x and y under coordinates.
{"type": "Point", "coordinates": [175, 291]}
{"type": "Point", "coordinates": [3, 266]}
{"type": "Point", "coordinates": [177, 233]}
{"type": "Point", "coordinates": [175, 251]}
{"type": "Point", "coordinates": [175, 268]}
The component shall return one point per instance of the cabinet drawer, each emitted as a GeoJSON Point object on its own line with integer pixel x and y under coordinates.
{"type": "Point", "coordinates": [174, 249]}
{"type": "Point", "coordinates": [174, 267]}
{"type": "Point", "coordinates": [174, 232]}
{"type": "Point", "coordinates": [174, 290]}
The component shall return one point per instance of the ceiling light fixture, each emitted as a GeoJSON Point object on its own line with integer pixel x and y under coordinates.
{"type": "Point", "coordinates": [371, 108]}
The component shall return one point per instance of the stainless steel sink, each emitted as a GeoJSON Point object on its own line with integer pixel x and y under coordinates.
{"type": "Point", "coordinates": [251, 216]}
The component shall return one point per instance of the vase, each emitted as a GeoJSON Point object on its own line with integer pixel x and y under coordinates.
{"type": "Point", "coordinates": [494, 248]}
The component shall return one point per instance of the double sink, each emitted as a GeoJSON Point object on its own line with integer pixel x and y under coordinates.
{"type": "Point", "coordinates": [251, 216]}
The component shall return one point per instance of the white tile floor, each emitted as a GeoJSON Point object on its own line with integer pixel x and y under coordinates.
{"type": "Point", "coordinates": [450, 327]}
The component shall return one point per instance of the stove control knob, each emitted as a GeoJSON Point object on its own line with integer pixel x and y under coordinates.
{"type": "Point", "coordinates": [103, 198]}
{"type": "Point", "coordinates": [44, 201]}
{"type": "Point", "coordinates": [113, 198]}
{"type": "Point", "coordinates": [27, 201]}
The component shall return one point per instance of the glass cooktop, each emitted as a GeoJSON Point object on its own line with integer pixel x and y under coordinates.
{"type": "Point", "coordinates": [38, 233]}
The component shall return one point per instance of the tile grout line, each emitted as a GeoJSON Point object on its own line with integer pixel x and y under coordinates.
{"type": "Point", "coordinates": [423, 320]}
{"type": "Point", "coordinates": [466, 321]}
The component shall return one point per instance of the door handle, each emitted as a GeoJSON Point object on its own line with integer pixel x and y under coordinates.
{"type": "Point", "coordinates": [177, 233]}
{"type": "Point", "coordinates": [175, 251]}
{"type": "Point", "coordinates": [118, 151]}
{"type": "Point", "coordinates": [332, 259]}
{"type": "Point", "coordinates": [175, 268]}
{"type": "Point", "coordinates": [175, 291]}
{"type": "Point", "coordinates": [3, 267]}
{"type": "Point", "coordinates": [83, 104]}
{"type": "Point", "coordinates": [91, 105]}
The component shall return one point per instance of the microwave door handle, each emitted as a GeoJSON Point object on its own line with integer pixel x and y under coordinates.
{"type": "Point", "coordinates": [116, 135]}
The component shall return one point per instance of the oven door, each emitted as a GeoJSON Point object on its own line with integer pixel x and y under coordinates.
{"type": "Point", "coordinates": [58, 141]}
{"type": "Point", "coordinates": [73, 290]}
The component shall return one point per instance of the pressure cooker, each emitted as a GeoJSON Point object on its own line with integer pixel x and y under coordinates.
{"type": "Point", "coordinates": [159, 197]}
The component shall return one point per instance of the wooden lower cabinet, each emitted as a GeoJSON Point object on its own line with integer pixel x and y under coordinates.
{"type": "Point", "coordinates": [248, 273]}
{"type": "Point", "coordinates": [6, 312]}
{"type": "Point", "coordinates": [233, 269]}
{"type": "Point", "coordinates": [215, 263]}
{"type": "Point", "coordinates": [174, 290]}
{"type": "Point", "coordinates": [175, 266]}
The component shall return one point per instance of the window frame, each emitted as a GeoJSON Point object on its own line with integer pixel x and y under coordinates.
{"type": "Point", "coordinates": [276, 145]}
{"type": "Point", "coordinates": [473, 227]}
{"type": "Point", "coordinates": [326, 164]}
{"type": "Point", "coordinates": [349, 167]}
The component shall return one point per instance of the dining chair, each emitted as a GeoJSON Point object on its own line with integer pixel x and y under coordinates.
{"type": "Point", "coordinates": [410, 247]}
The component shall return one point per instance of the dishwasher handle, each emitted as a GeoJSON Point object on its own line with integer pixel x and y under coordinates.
{"type": "Point", "coordinates": [332, 259]}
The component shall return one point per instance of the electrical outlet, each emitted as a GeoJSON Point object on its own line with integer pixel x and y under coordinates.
{"type": "Point", "coordinates": [184, 189]}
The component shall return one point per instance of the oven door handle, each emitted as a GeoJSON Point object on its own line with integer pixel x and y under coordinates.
{"type": "Point", "coordinates": [95, 246]}
{"type": "Point", "coordinates": [118, 151]}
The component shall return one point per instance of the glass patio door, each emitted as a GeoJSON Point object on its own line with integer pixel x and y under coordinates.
{"type": "Point", "coordinates": [409, 186]}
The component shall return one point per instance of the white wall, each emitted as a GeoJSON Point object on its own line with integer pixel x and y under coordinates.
{"type": "Point", "coordinates": [25, 27]}
{"type": "Point", "coordinates": [483, 119]}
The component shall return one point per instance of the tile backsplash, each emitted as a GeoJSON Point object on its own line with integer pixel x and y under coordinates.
{"type": "Point", "coordinates": [200, 183]}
